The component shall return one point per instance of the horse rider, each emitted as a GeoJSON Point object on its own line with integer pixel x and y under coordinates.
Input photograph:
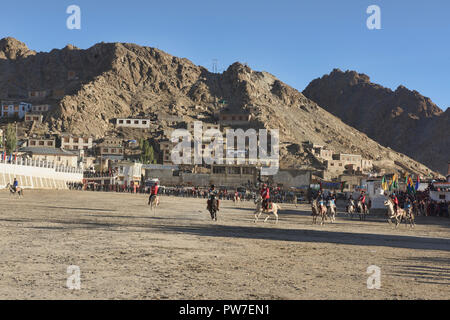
{"type": "Point", "coordinates": [362, 199]}
{"type": "Point", "coordinates": [320, 198]}
{"type": "Point", "coordinates": [407, 204]}
{"type": "Point", "coordinates": [265, 195]}
{"type": "Point", "coordinates": [15, 185]}
{"type": "Point", "coordinates": [395, 201]}
{"type": "Point", "coordinates": [153, 192]}
{"type": "Point", "coordinates": [332, 199]}
{"type": "Point", "coordinates": [212, 194]}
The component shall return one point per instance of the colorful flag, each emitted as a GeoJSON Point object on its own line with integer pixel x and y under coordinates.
{"type": "Point", "coordinates": [417, 183]}
{"type": "Point", "coordinates": [384, 185]}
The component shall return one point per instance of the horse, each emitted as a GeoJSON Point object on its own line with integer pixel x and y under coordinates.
{"type": "Point", "coordinates": [213, 207]}
{"type": "Point", "coordinates": [318, 211]}
{"type": "Point", "coordinates": [351, 208]}
{"type": "Point", "coordinates": [331, 210]}
{"type": "Point", "coordinates": [153, 202]}
{"type": "Point", "coordinates": [406, 215]}
{"type": "Point", "coordinates": [362, 212]}
{"type": "Point", "coordinates": [259, 209]}
{"type": "Point", "coordinates": [18, 191]}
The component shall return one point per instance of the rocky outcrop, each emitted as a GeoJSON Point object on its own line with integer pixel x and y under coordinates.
{"type": "Point", "coordinates": [402, 119]}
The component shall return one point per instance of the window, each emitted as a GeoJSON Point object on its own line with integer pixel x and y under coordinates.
{"type": "Point", "coordinates": [49, 143]}
{"type": "Point", "coordinates": [76, 140]}
{"type": "Point", "coordinates": [66, 139]}
{"type": "Point", "coordinates": [32, 143]}
{"type": "Point", "coordinates": [144, 122]}
{"type": "Point", "coordinates": [121, 121]}
{"type": "Point", "coordinates": [41, 143]}
{"type": "Point", "coordinates": [75, 147]}
{"type": "Point", "coordinates": [136, 121]}
{"type": "Point", "coordinates": [105, 150]}
{"type": "Point", "coordinates": [128, 121]}
{"type": "Point", "coordinates": [113, 150]}
{"type": "Point", "coordinates": [219, 170]}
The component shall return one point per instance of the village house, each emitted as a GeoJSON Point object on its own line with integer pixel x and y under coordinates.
{"type": "Point", "coordinates": [74, 143]}
{"type": "Point", "coordinates": [41, 142]}
{"type": "Point", "coordinates": [111, 149]}
{"type": "Point", "coordinates": [133, 123]}
{"type": "Point", "coordinates": [33, 117]}
{"type": "Point", "coordinates": [170, 119]}
{"type": "Point", "coordinates": [40, 108]}
{"type": "Point", "coordinates": [51, 155]}
{"type": "Point", "coordinates": [39, 94]}
{"type": "Point", "coordinates": [11, 109]}
{"type": "Point", "coordinates": [234, 119]}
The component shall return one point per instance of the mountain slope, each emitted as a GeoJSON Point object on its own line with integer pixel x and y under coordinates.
{"type": "Point", "coordinates": [402, 119]}
{"type": "Point", "coordinates": [121, 80]}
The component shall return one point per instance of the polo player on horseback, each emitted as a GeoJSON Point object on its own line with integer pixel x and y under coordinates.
{"type": "Point", "coordinates": [362, 199]}
{"type": "Point", "coordinates": [212, 194]}
{"type": "Point", "coordinates": [395, 201]}
{"type": "Point", "coordinates": [15, 185]}
{"type": "Point", "coordinates": [153, 192]}
{"type": "Point", "coordinates": [265, 195]}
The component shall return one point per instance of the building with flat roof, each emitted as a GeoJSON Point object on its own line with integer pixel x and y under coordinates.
{"type": "Point", "coordinates": [11, 109]}
{"type": "Point", "coordinates": [133, 123]}
{"type": "Point", "coordinates": [74, 143]}
{"type": "Point", "coordinates": [48, 154]}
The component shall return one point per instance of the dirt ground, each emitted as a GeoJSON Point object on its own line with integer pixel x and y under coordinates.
{"type": "Point", "coordinates": [124, 251]}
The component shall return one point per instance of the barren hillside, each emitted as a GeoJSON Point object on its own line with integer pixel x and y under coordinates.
{"type": "Point", "coordinates": [111, 80]}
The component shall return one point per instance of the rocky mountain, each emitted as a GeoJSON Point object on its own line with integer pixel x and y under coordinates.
{"type": "Point", "coordinates": [403, 120]}
{"type": "Point", "coordinates": [111, 80]}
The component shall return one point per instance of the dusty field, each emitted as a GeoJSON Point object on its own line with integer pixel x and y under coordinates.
{"type": "Point", "coordinates": [126, 252]}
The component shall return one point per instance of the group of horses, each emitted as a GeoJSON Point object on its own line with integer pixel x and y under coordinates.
{"type": "Point", "coordinates": [321, 211]}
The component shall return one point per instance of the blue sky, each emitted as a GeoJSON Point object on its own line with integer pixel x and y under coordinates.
{"type": "Point", "coordinates": [297, 41]}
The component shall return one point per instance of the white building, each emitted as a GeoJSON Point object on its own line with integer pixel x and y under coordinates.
{"type": "Point", "coordinates": [69, 142]}
{"type": "Point", "coordinates": [133, 123]}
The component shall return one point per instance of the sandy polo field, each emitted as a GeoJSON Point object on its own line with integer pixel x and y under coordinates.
{"type": "Point", "coordinates": [124, 251]}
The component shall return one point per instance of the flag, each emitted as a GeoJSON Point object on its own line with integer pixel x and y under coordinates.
{"type": "Point", "coordinates": [395, 181]}
{"type": "Point", "coordinates": [384, 185]}
{"type": "Point", "coordinates": [417, 183]}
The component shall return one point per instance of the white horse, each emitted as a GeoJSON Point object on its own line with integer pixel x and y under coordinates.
{"type": "Point", "coordinates": [318, 211]}
{"type": "Point", "coordinates": [362, 212]}
{"type": "Point", "coordinates": [153, 202]}
{"type": "Point", "coordinates": [18, 191]}
{"type": "Point", "coordinates": [407, 216]}
{"type": "Point", "coordinates": [259, 209]}
{"type": "Point", "coordinates": [331, 210]}
{"type": "Point", "coordinates": [351, 208]}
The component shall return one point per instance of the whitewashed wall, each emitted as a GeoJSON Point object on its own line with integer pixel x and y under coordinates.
{"type": "Point", "coordinates": [40, 176]}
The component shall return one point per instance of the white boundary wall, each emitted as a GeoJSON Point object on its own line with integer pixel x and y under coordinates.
{"type": "Point", "coordinates": [38, 175]}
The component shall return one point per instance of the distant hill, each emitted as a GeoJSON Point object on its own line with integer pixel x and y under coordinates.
{"type": "Point", "coordinates": [402, 119]}
{"type": "Point", "coordinates": [111, 80]}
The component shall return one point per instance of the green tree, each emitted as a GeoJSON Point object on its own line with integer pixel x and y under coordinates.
{"type": "Point", "coordinates": [11, 139]}
{"type": "Point", "coordinates": [147, 152]}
